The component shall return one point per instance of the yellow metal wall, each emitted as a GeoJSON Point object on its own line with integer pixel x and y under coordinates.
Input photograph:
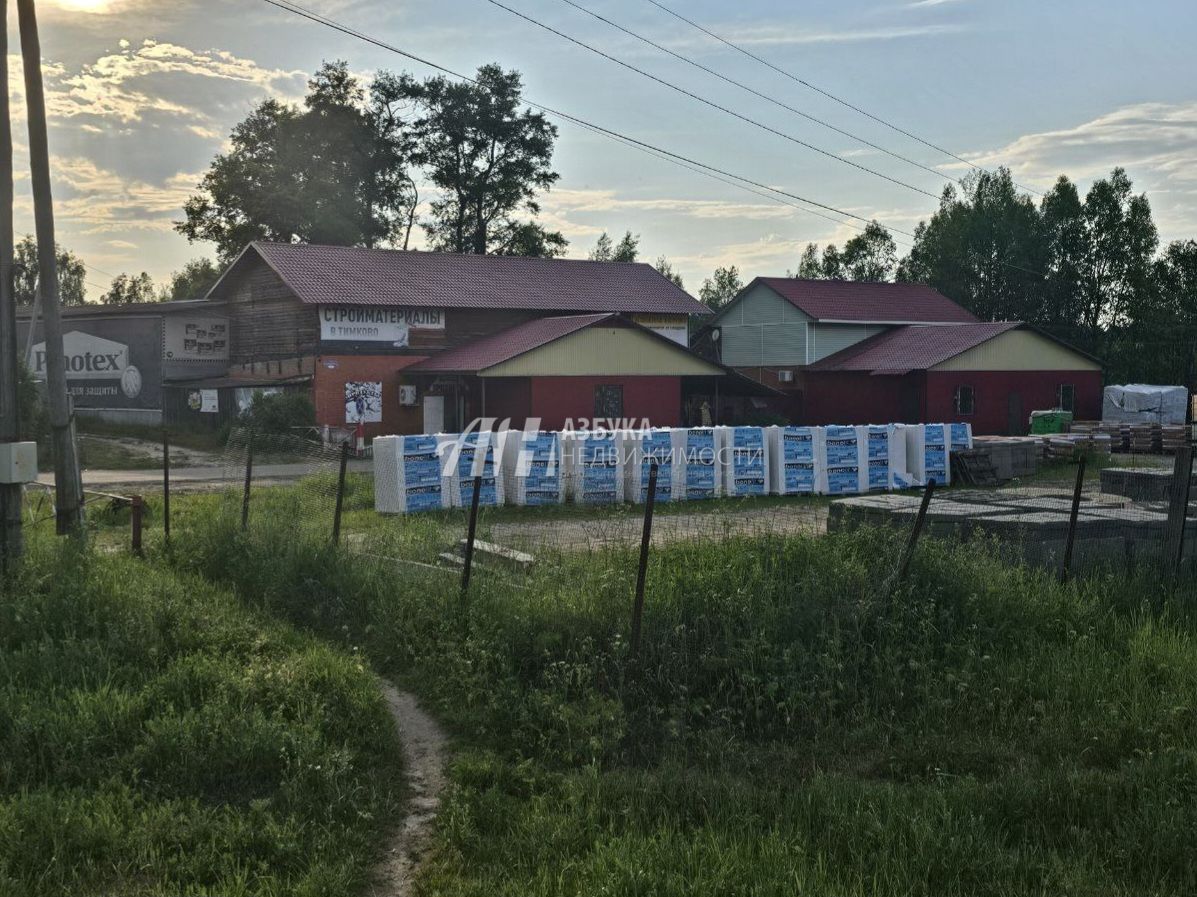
{"type": "Point", "coordinates": [598, 351]}
{"type": "Point", "coordinates": [1019, 350]}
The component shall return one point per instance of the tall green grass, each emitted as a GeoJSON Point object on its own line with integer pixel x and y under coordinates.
{"type": "Point", "coordinates": [158, 738]}
{"type": "Point", "coordinates": [790, 726]}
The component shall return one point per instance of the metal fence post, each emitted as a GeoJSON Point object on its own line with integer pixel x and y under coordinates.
{"type": "Point", "coordinates": [1066, 567]}
{"type": "Point", "coordinates": [1174, 534]}
{"type": "Point", "coordinates": [166, 484]}
{"type": "Point", "coordinates": [642, 571]}
{"type": "Point", "coordinates": [470, 532]}
{"type": "Point", "coordinates": [138, 506]}
{"type": "Point", "coordinates": [340, 493]}
{"type": "Point", "coordinates": [915, 533]}
{"type": "Point", "coordinates": [249, 476]}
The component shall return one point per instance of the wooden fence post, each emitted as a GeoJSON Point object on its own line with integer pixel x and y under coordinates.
{"type": "Point", "coordinates": [138, 506]}
{"type": "Point", "coordinates": [1066, 566]}
{"type": "Point", "coordinates": [1178, 506]}
{"type": "Point", "coordinates": [340, 493]}
{"type": "Point", "coordinates": [470, 533]}
{"type": "Point", "coordinates": [166, 484]}
{"type": "Point", "coordinates": [642, 571]}
{"type": "Point", "coordinates": [249, 476]}
{"type": "Point", "coordinates": [919, 520]}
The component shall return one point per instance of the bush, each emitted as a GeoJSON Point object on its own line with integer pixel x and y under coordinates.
{"type": "Point", "coordinates": [35, 421]}
{"type": "Point", "coordinates": [280, 412]}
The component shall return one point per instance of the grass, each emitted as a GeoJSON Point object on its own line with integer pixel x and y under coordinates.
{"type": "Point", "coordinates": [789, 727]}
{"type": "Point", "coordinates": [158, 738]}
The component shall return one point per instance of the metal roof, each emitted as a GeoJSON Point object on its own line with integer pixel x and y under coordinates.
{"type": "Point", "coordinates": [505, 345]}
{"type": "Point", "coordinates": [846, 301]}
{"type": "Point", "coordinates": [914, 347]}
{"type": "Point", "coordinates": [344, 275]}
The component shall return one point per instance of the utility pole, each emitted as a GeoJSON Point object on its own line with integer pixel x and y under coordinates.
{"type": "Point", "coordinates": [67, 485]}
{"type": "Point", "coordinates": [10, 403]}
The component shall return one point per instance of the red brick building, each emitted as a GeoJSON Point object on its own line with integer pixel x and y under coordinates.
{"type": "Point", "coordinates": [549, 338]}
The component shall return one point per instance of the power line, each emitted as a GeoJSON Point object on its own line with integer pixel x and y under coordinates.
{"type": "Point", "coordinates": [711, 103]}
{"type": "Point", "coordinates": [757, 93]}
{"type": "Point", "coordinates": [676, 158]}
{"type": "Point", "coordinates": [826, 93]}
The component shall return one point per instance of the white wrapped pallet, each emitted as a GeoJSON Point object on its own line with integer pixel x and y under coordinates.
{"type": "Point", "coordinates": [594, 465]}
{"type": "Point", "coordinates": [899, 466]}
{"type": "Point", "coordinates": [927, 454]}
{"type": "Point", "coordinates": [877, 439]}
{"type": "Point", "coordinates": [960, 437]}
{"type": "Point", "coordinates": [468, 456]}
{"type": "Point", "coordinates": [640, 449]}
{"type": "Point", "coordinates": [408, 475]}
{"type": "Point", "coordinates": [842, 460]}
{"type": "Point", "coordinates": [792, 466]}
{"type": "Point", "coordinates": [745, 460]}
{"type": "Point", "coordinates": [532, 467]}
{"type": "Point", "coordinates": [696, 469]}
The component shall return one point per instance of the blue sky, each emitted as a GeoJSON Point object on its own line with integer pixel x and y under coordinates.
{"type": "Point", "coordinates": [143, 94]}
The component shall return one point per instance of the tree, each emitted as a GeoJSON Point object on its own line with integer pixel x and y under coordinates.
{"type": "Point", "coordinates": [128, 289]}
{"type": "Point", "coordinates": [870, 256]}
{"type": "Point", "coordinates": [331, 172]}
{"type": "Point", "coordinates": [528, 238]}
{"type": "Point", "coordinates": [809, 266]}
{"type": "Point", "coordinates": [193, 282]}
{"type": "Point", "coordinates": [1162, 339]}
{"type": "Point", "coordinates": [71, 274]}
{"type": "Point", "coordinates": [721, 287]}
{"type": "Point", "coordinates": [665, 269]}
{"type": "Point", "coordinates": [626, 250]}
{"type": "Point", "coordinates": [488, 158]}
{"type": "Point", "coordinates": [984, 248]}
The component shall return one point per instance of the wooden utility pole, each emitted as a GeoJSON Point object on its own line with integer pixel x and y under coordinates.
{"type": "Point", "coordinates": [67, 488]}
{"type": "Point", "coordinates": [10, 404]}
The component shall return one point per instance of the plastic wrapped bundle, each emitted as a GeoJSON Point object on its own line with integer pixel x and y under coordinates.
{"type": "Point", "coordinates": [927, 455]}
{"type": "Point", "coordinates": [899, 466]}
{"type": "Point", "coordinates": [842, 458]}
{"type": "Point", "coordinates": [532, 467]}
{"type": "Point", "coordinates": [408, 475]}
{"type": "Point", "coordinates": [469, 456]}
{"type": "Point", "coordinates": [885, 454]}
{"type": "Point", "coordinates": [640, 449]}
{"type": "Point", "coordinates": [960, 437]}
{"type": "Point", "coordinates": [745, 460]}
{"type": "Point", "coordinates": [792, 460]}
{"type": "Point", "coordinates": [594, 465]}
{"type": "Point", "coordinates": [696, 469]}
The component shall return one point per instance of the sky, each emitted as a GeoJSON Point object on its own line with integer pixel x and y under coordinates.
{"type": "Point", "coordinates": [142, 95]}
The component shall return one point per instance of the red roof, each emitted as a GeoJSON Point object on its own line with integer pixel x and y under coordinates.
{"type": "Point", "coordinates": [912, 348]}
{"type": "Point", "coordinates": [344, 275]}
{"type": "Point", "coordinates": [507, 344]}
{"type": "Point", "coordinates": [878, 303]}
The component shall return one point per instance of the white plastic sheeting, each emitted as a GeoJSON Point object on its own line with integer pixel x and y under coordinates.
{"type": "Point", "coordinates": [1140, 403]}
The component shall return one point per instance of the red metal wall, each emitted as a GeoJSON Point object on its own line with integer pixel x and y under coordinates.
{"type": "Point", "coordinates": [860, 398]}
{"type": "Point", "coordinates": [334, 371]}
{"type": "Point", "coordinates": [992, 392]}
{"type": "Point", "coordinates": [557, 399]}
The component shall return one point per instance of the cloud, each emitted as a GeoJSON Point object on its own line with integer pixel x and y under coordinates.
{"type": "Point", "coordinates": [96, 200]}
{"type": "Point", "coordinates": [603, 201]}
{"type": "Point", "coordinates": [785, 34]}
{"type": "Point", "coordinates": [923, 4]}
{"type": "Point", "coordinates": [1155, 142]}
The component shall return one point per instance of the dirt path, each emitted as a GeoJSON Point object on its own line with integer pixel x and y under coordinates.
{"type": "Point", "coordinates": [424, 749]}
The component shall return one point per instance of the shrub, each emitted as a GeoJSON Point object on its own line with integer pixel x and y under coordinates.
{"type": "Point", "coordinates": [280, 412]}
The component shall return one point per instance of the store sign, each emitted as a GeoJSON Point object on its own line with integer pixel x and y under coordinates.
{"type": "Point", "coordinates": [376, 324]}
{"type": "Point", "coordinates": [102, 364]}
{"type": "Point", "coordinates": [673, 327]}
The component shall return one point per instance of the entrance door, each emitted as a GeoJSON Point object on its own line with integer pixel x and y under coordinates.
{"type": "Point", "coordinates": [434, 414]}
{"type": "Point", "coordinates": [1016, 424]}
{"type": "Point", "coordinates": [911, 401]}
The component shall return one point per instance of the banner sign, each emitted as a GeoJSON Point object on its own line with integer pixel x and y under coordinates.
{"type": "Point", "coordinates": [376, 324]}
{"type": "Point", "coordinates": [122, 369]}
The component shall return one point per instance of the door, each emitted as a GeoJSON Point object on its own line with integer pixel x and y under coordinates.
{"type": "Point", "coordinates": [1016, 424]}
{"type": "Point", "coordinates": [911, 401]}
{"type": "Point", "coordinates": [434, 414]}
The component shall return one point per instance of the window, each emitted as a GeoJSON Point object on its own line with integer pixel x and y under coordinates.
{"type": "Point", "coordinates": [608, 402]}
{"type": "Point", "coordinates": [1066, 397]}
{"type": "Point", "coordinates": [964, 400]}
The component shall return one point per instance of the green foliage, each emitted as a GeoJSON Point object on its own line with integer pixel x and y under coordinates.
{"type": "Point", "coordinates": [331, 172]}
{"type": "Point", "coordinates": [606, 250]}
{"type": "Point", "coordinates": [157, 739]}
{"type": "Point", "coordinates": [128, 289]}
{"type": "Point", "coordinates": [488, 158]}
{"type": "Point", "coordinates": [193, 282]}
{"type": "Point", "coordinates": [872, 255]}
{"type": "Point", "coordinates": [280, 412]}
{"type": "Point", "coordinates": [665, 269]}
{"type": "Point", "coordinates": [35, 417]}
{"type": "Point", "coordinates": [25, 272]}
{"type": "Point", "coordinates": [721, 287]}
{"type": "Point", "coordinates": [787, 728]}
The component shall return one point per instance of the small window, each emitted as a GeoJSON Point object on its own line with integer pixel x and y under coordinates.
{"type": "Point", "coordinates": [608, 402]}
{"type": "Point", "coordinates": [964, 400]}
{"type": "Point", "coordinates": [1066, 397]}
